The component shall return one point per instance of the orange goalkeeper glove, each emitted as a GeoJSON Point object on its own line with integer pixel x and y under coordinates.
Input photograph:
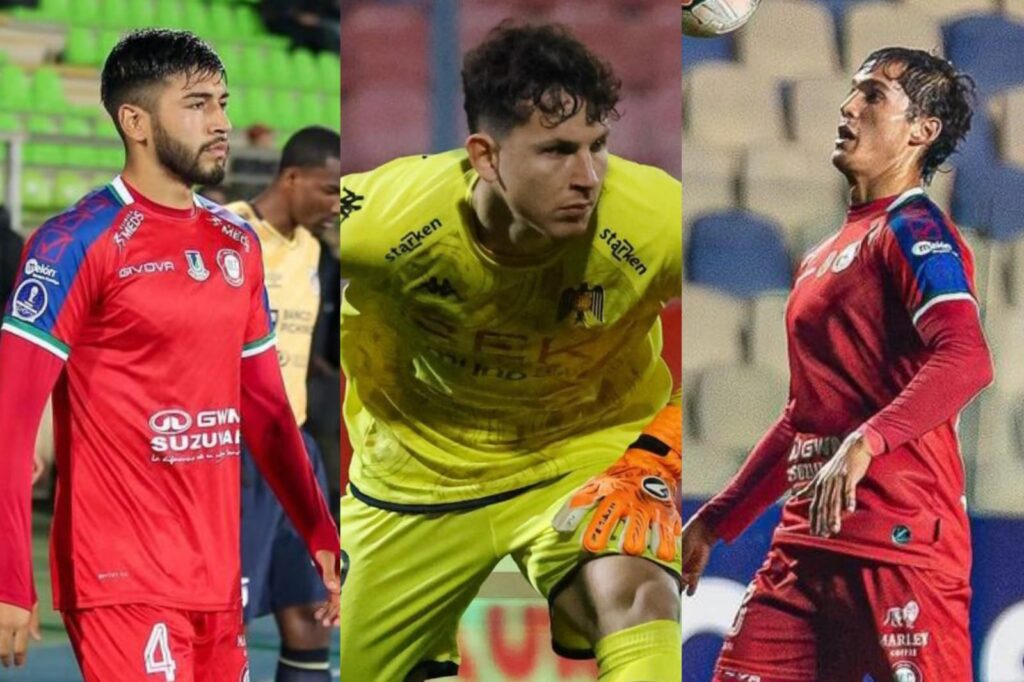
{"type": "Point", "coordinates": [640, 490]}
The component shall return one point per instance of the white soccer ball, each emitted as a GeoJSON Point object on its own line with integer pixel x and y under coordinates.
{"type": "Point", "coordinates": [704, 18]}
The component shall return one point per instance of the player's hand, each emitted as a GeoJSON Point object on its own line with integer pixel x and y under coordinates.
{"type": "Point", "coordinates": [696, 550]}
{"type": "Point", "coordinates": [327, 614]}
{"type": "Point", "coordinates": [39, 467]}
{"type": "Point", "coordinates": [17, 625]}
{"type": "Point", "coordinates": [834, 488]}
{"type": "Point", "coordinates": [640, 490]}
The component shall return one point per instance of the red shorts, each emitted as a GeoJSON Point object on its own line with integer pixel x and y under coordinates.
{"type": "Point", "coordinates": [813, 615]}
{"type": "Point", "coordinates": [140, 643]}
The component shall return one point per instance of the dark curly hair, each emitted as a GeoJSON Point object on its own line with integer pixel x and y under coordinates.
{"type": "Point", "coordinates": [145, 58]}
{"type": "Point", "coordinates": [935, 88]}
{"type": "Point", "coordinates": [522, 68]}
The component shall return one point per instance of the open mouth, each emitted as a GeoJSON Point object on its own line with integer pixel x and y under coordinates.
{"type": "Point", "coordinates": [844, 134]}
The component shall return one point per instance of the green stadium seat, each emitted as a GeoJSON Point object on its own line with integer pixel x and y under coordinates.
{"type": "Point", "coordinates": [332, 113]}
{"type": "Point", "coordinates": [36, 189]}
{"type": "Point", "coordinates": [279, 69]}
{"type": "Point", "coordinates": [305, 72]}
{"type": "Point", "coordinates": [82, 156]}
{"type": "Point", "coordinates": [170, 14]}
{"type": "Point", "coordinates": [287, 114]}
{"type": "Point", "coordinates": [197, 19]}
{"type": "Point", "coordinates": [41, 124]}
{"type": "Point", "coordinates": [55, 10]}
{"type": "Point", "coordinates": [259, 107]}
{"type": "Point", "coordinates": [15, 89]}
{"type": "Point", "coordinates": [82, 47]}
{"type": "Point", "coordinates": [247, 22]}
{"type": "Point", "coordinates": [76, 126]}
{"type": "Point", "coordinates": [329, 66]}
{"type": "Point", "coordinates": [238, 112]}
{"type": "Point", "coordinates": [70, 187]}
{"type": "Point", "coordinates": [83, 14]}
{"type": "Point", "coordinates": [231, 56]}
{"type": "Point", "coordinates": [222, 21]}
{"type": "Point", "coordinates": [9, 123]}
{"type": "Point", "coordinates": [136, 15]}
{"type": "Point", "coordinates": [48, 90]}
{"type": "Point", "coordinates": [108, 39]}
{"type": "Point", "coordinates": [312, 107]}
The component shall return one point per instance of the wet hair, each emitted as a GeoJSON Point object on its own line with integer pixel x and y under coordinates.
{"type": "Point", "coordinates": [148, 57]}
{"type": "Point", "coordinates": [522, 68]}
{"type": "Point", "coordinates": [310, 147]}
{"type": "Point", "coordinates": [935, 88]}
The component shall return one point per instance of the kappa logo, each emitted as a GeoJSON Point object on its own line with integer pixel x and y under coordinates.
{"type": "Point", "coordinates": [230, 263]}
{"type": "Point", "coordinates": [30, 300]}
{"type": "Point", "coordinates": [350, 203]}
{"type": "Point", "coordinates": [584, 301]}
{"type": "Point", "coordinates": [656, 488]}
{"type": "Point", "coordinates": [196, 267]}
{"type": "Point", "coordinates": [442, 288]}
{"type": "Point", "coordinates": [129, 226]}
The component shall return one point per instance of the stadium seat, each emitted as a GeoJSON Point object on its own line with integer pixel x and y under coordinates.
{"type": "Point", "coordinates": [708, 466]}
{"type": "Point", "coordinates": [990, 48]}
{"type": "Point", "coordinates": [70, 186]}
{"type": "Point", "coordinates": [1012, 128]}
{"type": "Point", "coordinates": [698, 50]}
{"type": "Point", "coordinates": [398, 56]}
{"type": "Point", "coordinates": [714, 93]}
{"type": "Point", "coordinates": [133, 15]}
{"type": "Point", "coordinates": [376, 129]}
{"type": "Point", "coordinates": [312, 108]}
{"type": "Point", "coordinates": [709, 178]}
{"type": "Point", "coordinates": [36, 189]}
{"type": "Point", "coordinates": [329, 67]}
{"type": "Point", "coordinates": [768, 333]}
{"type": "Point", "coordinates": [76, 126]}
{"type": "Point", "coordinates": [83, 14]}
{"type": "Point", "coordinates": [800, 190]}
{"type": "Point", "coordinates": [739, 253]}
{"type": "Point", "coordinates": [735, 404]}
{"type": "Point", "coordinates": [286, 113]}
{"type": "Point", "coordinates": [999, 466]}
{"type": "Point", "coordinates": [873, 25]}
{"type": "Point", "coordinates": [41, 124]}
{"type": "Point", "coordinates": [48, 91]}
{"type": "Point", "coordinates": [278, 66]}
{"type": "Point", "coordinates": [247, 23]}
{"type": "Point", "coordinates": [790, 39]}
{"type": "Point", "coordinates": [1008, 205]}
{"type": "Point", "coordinates": [55, 10]}
{"type": "Point", "coordinates": [713, 325]}
{"type": "Point", "coordinates": [944, 11]}
{"type": "Point", "coordinates": [16, 89]}
{"type": "Point", "coordinates": [82, 47]}
{"type": "Point", "coordinates": [170, 14]}
{"type": "Point", "coordinates": [305, 72]}
{"type": "Point", "coordinates": [10, 122]}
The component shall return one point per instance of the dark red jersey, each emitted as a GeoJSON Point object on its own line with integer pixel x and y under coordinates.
{"type": "Point", "coordinates": [884, 338]}
{"type": "Point", "coordinates": [153, 310]}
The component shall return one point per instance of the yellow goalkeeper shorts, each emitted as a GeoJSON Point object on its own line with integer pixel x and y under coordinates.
{"type": "Point", "coordinates": [411, 576]}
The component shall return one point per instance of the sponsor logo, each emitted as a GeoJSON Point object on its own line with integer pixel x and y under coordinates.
{"type": "Point", "coordinates": [196, 267]}
{"type": "Point", "coordinates": [145, 269]}
{"type": "Point", "coordinates": [900, 535]}
{"type": "Point", "coordinates": [808, 455]}
{"type": "Point", "coordinates": [845, 258]}
{"type": "Point", "coordinates": [128, 227]}
{"type": "Point", "coordinates": [905, 671]}
{"type": "Point", "coordinates": [902, 616]}
{"type": "Point", "coordinates": [350, 203]}
{"type": "Point", "coordinates": [656, 488]}
{"type": "Point", "coordinates": [33, 268]}
{"type": "Point", "coordinates": [442, 288]}
{"type": "Point", "coordinates": [584, 302]}
{"type": "Point", "coordinates": [230, 263]}
{"type": "Point", "coordinates": [926, 248]}
{"type": "Point", "coordinates": [413, 240]}
{"type": "Point", "coordinates": [30, 300]}
{"type": "Point", "coordinates": [182, 437]}
{"type": "Point", "coordinates": [623, 251]}
{"type": "Point", "coordinates": [50, 245]}
{"type": "Point", "coordinates": [738, 676]}
{"type": "Point", "coordinates": [236, 233]}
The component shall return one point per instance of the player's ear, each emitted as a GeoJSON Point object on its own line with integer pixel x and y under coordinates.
{"type": "Point", "coordinates": [134, 122]}
{"type": "Point", "coordinates": [483, 154]}
{"type": "Point", "coordinates": [925, 130]}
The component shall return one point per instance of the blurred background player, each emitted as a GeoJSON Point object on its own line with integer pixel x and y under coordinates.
{"type": "Point", "coordinates": [276, 573]}
{"type": "Point", "coordinates": [869, 568]}
{"type": "Point", "coordinates": [134, 299]}
{"type": "Point", "coordinates": [501, 341]}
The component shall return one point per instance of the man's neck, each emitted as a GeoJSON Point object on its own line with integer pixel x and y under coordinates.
{"type": "Point", "coordinates": [156, 184]}
{"type": "Point", "coordinates": [498, 230]}
{"type": "Point", "coordinates": [888, 184]}
{"type": "Point", "coordinates": [272, 207]}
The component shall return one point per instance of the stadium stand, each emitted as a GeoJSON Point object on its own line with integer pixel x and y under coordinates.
{"type": "Point", "coordinates": [757, 142]}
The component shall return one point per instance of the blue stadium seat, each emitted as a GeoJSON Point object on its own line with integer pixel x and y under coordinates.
{"type": "Point", "coordinates": [990, 48]}
{"type": "Point", "coordinates": [1008, 204]}
{"type": "Point", "coordinates": [697, 50]}
{"type": "Point", "coordinates": [738, 252]}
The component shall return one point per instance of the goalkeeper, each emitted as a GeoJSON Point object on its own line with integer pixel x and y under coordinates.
{"type": "Point", "coordinates": [506, 393]}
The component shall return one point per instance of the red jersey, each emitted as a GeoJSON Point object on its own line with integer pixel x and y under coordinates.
{"type": "Point", "coordinates": [153, 309]}
{"type": "Point", "coordinates": [883, 337]}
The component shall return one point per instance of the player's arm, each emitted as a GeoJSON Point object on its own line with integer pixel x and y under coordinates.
{"type": "Point", "coordinates": [641, 489]}
{"type": "Point", "coordinates": [27, 376]}
{"type": "Point", "coordinates": [936, 289]}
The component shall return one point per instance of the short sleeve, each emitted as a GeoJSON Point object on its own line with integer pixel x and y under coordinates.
{"type": "Point", "coordinates": [927, 261]}
{"type": "Point", "coordinates": [259, 330]}
{"type": "Point", "coordinates": [59, 279]}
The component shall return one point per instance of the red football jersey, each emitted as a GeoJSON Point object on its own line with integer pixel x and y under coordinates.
{"type": "Point", "coordinates": [860, 307]}
{"type": "Point", "coordinates": [153, 308]}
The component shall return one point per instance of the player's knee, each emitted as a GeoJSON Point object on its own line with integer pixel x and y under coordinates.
{"type": "Point", "coordinates": [628, 591]}
{"type": "Point", "coordinates": [300, 629]}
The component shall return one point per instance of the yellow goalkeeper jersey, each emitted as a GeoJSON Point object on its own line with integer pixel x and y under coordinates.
{"type": "Point", "coordinates": [467, 376]}
{"type": "Point", "coordinates": [290, 268]}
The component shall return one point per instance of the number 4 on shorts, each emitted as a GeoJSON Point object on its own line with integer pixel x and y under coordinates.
{"type": "Point", "coordinates": [158, 653]}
